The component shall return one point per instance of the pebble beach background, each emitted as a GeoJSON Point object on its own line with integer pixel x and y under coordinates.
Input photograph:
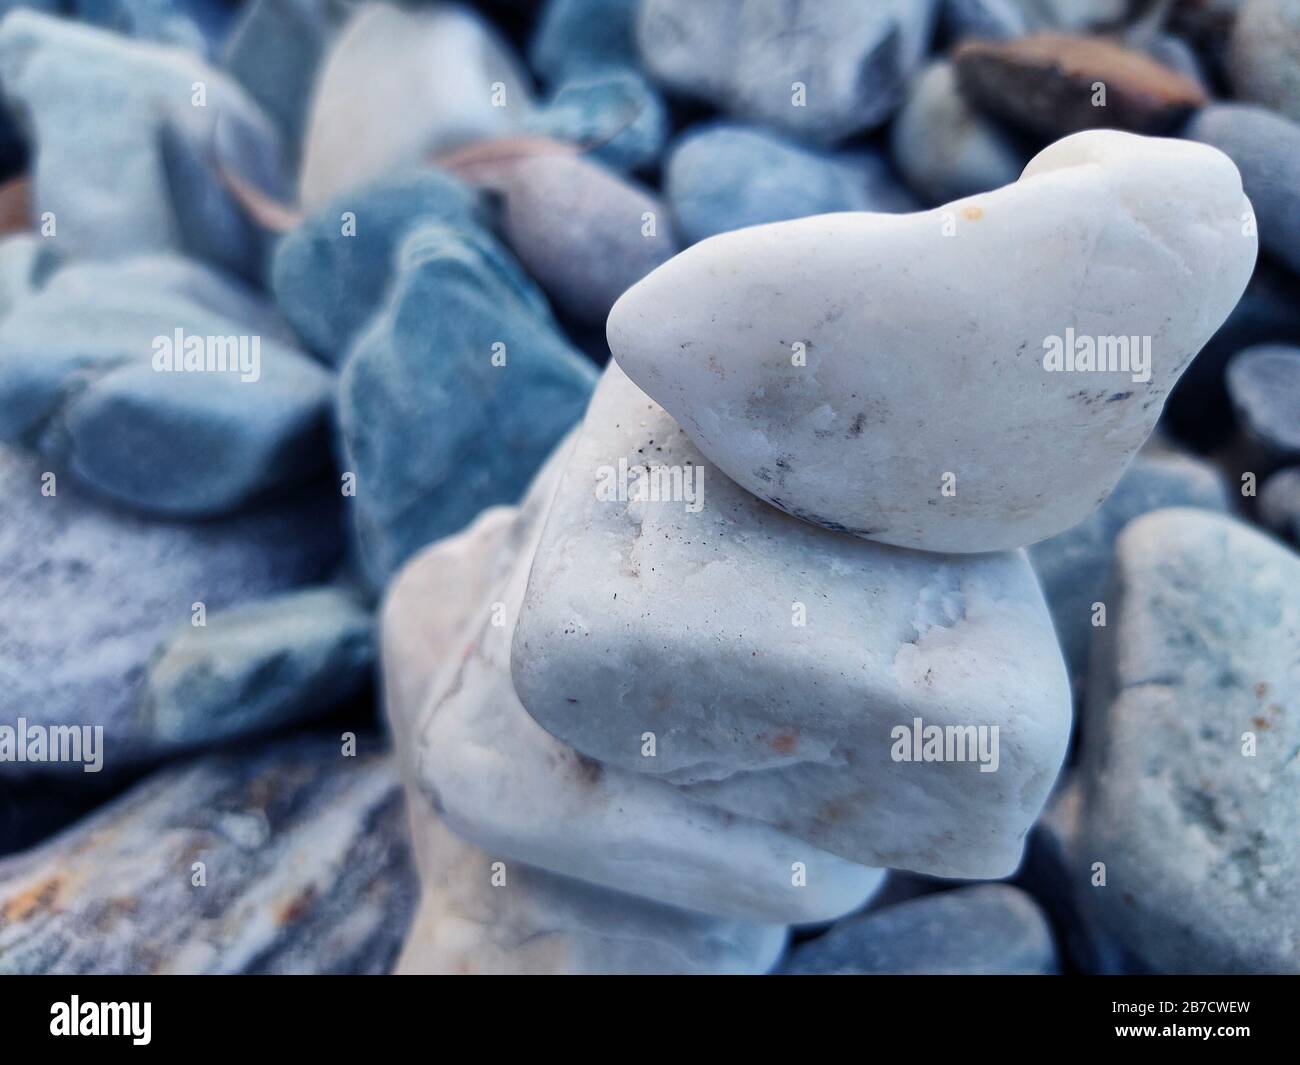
{"type": "Point", "coordinates": [332, 641]}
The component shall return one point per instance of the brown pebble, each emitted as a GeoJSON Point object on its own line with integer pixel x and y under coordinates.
{"type": "Point", "coordinates": [1046, 84]}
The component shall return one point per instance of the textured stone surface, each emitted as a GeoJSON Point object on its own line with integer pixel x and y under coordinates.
{"type": "Point", "coordinates": [102, 110]}
{"type": "Point", "coordinates": [1266, 149]}
{"type": "Point", "coordinates": [434, 425]}
{"type": "Point", "coordinates": [784, 723]}
{"type": "Point", "coordinates": [727, 176]}
{"type": "Point", "coordinates": [303, 855]}
{"type": "Point", "coordinates": [1074, 566]}
{"type": "Point", "coordinates": [86, 593]}
{"type": "Point", "coordinates": [745, 58]}
{"type": "Point", "coordinates": [80, 383]}
{"type": "Point", "coordinates": [1047, 85]}
{"type": "Point", "coordinates": [890, 397]}
{"type": "Point", "coordinates": [945, 148]}
{"type": "Point", "coordinates": [987, 930]}
{"type": "Point", "coordinates": [399, 86]}
{"type": "Point", "coordinates": [1198, 830]}
{"type": "Point", "coordinates": [260, 666]}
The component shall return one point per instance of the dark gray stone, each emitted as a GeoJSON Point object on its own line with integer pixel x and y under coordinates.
{"type": "Point", "coordinates": [989, 929]}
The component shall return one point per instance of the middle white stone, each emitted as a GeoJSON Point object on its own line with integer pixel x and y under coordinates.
{"type": "Point", "coordinates": [769, 667]}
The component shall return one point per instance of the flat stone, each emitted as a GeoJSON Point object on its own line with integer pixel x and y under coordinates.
{"type": "Point", "coordinates": [331, 273]}
{"type": "Point", "coordinates": [944, 148]}
{"type": "Point", "coordinates": [301, 853]}
{"type": "Point", "coordinates": [1074, 566]}
{"type": "Point", "coordinates": [498, 779]}
{"type": "Point", "coordinates": [258, 667]}
{"type": "Point", "coordinates": [1193, 720]}
{"type": "Point", "coordinates": [1047, 85]}
{"type": "Point", "coordinates": [80, 617]}
{"type": "Point", "coordinates": [985, 930]}
{"type": "Point", "coordinates": [434, 426]}
{"type": "Point", "coordinates": [1266, 149]}
{"type": "Point", "coordinates": [746, 57]}
{"type": "Point", "coordinates": [1264, 383]}
{"type": "Point", "coordinates": [813, 370]}
{"type": "Point", "coordinates": [1263, 57]}
{"type": "Point", "coordinates": [81, 383]}
{"type": "Point", "coordinates": [102, 110]}
{"type": "Point", "coordinates": [399, 86]}
{"type": "Point", "coordinates": [785, 723]}
{"type": "Point", "coordinates": [726, 176]}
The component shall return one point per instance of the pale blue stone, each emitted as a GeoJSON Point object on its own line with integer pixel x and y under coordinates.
{"type": "Point", "coordinates": [722, 177]}
{"type": "Point", "coordinates": [98, 108]}
{"type": "Point", "coordinates": [432, 429]}
{"type": "Point", "coordinates": [614, 115]}
{"type": "Point", "coordinates": [1266, 148]}
{"type": "Point", "coordinates": [988, 929]}
{"type": "Point", "coordinates": [577, 37]}
{"type": "Point", "coordinates": [331, 273]}
{"type": "Point", "coordinates": [80, 382]}
{"type": "Point", "coordinates": [259, 666]}
{"type": "Point", "coordinates": [87, 591]}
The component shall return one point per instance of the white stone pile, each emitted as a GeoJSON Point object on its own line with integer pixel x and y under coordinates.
{"type": "Point", "coordinates": [712, 676]}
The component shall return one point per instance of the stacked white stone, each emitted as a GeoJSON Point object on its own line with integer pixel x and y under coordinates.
{"type": "Point", "coordinates": [675, 711]}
